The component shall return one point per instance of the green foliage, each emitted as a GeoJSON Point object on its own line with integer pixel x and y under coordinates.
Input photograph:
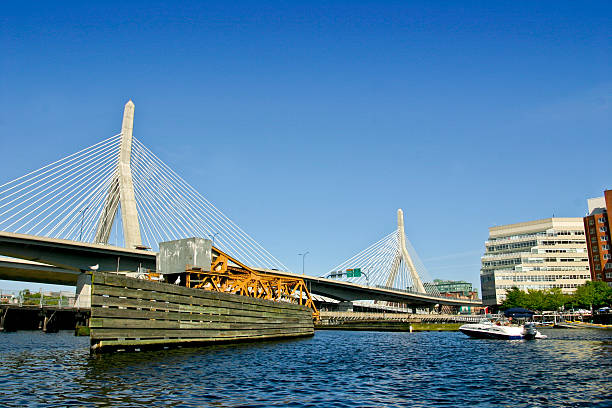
{"type": "Point", "coordinates": [29, 298]}
{"type": "Point", "coordinates": [592, 294]}
{"type": "Point", "coordinates": [514, 298]}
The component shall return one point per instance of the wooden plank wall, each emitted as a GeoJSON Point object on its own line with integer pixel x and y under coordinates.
{"type": "Point", "coordinates": [134, 313]}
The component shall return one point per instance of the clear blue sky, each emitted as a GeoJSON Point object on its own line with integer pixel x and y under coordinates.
{"type": "Point", "coordinates": [317, 120]}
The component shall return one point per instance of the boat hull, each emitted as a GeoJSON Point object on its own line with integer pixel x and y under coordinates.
{"type": "Point", "coordinates": [487, 330]}
{"type": "Point", "coordinates": [482, 334]}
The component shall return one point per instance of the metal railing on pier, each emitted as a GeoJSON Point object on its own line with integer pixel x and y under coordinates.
{"type": "Point", "coordinates": [328, 317]}
{"type": "Point", "coordinates": [40, 298]}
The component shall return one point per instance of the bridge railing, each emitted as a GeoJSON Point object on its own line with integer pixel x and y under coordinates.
{"type": "Point", "coordinates": [40, 298]}
{"type": "Point", "coordinates": [328, 317]}
{"type": "Point", "coordinates": [412, 292]}
{"type": "Point", "coordinates": [400, 290]}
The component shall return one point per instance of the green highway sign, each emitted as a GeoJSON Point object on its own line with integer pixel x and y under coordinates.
{"type": "Point", "coordinates": [353, 273]}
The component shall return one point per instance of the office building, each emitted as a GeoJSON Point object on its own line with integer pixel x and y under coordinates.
{"type": "Point", "coordinates": [543, 254]}
{"type": "Point", "coordinates": [462, 288]}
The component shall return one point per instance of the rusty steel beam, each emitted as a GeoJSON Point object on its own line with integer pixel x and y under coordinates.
{"type": "Point", "coordinates": [243, 280]}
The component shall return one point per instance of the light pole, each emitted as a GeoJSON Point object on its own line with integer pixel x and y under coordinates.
{"type": "Point", "coordinates": [303, 256]}
{"type": "Point", "coordinates": [82, 215]}
{"type": "Point", "coordinates": [212, 237]}
{"type": "Point", "coordinates": [367, 278]}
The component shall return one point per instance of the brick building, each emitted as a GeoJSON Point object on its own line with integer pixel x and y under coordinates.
{"type": "Point", "coordinates": [597, 230]}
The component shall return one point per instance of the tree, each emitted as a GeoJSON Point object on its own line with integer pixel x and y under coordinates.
{"type": "Point", "coordinates": [593, 295]}
{"type": "Point", "coordinates": [535, 299]}
{"type": "Point", "coordinates": [514, 298]}
{"type": "Point", "coordinates": [554, 299]}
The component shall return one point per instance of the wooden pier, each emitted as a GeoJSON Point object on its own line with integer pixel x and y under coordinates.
{"type": "Point", "coordinates": [129, 313]}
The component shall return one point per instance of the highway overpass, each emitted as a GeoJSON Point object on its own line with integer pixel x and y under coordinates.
{"type": "Point", "coordinates": [60, 261]}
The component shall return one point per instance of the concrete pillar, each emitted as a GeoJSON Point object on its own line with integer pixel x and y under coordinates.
{"type": "Point", "coordinates": [394, 271]}
{"type": "Point", "coordinates": [404, 256]}
{"type": "Point", "coordinates": [107, 216]}
{"type": "Point", "coordinates": [121, 191]}
{"type": "Point", "coordinates": [416, 280]}
{"type": "Point", "coordinates": [129, 212]}
{"type": "Point", "coordinates": [83, 292]}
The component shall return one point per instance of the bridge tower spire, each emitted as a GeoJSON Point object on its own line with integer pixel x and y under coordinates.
{"type": "Point", "coordinates": [121, 191]}
{"type": "Point", "coordinates": [404, 255]}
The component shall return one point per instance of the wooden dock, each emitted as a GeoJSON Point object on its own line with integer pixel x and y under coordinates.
{"type": "Point", "coordinates": [129, 313]}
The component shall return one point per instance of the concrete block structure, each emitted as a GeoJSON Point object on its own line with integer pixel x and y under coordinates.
{"type": "Point", "coordinates": [174, 256]}
{"type": "Point", "coordinates": [543, 254]}
{"type": "Point", "coordinates": [597, 228]}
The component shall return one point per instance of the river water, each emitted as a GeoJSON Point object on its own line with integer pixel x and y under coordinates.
{"type": "Point", "coordinates": [332, 369]}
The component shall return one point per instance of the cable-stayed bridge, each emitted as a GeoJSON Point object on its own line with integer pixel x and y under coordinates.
{"type": "Point", "coordinates": [111, 204]}
{"type": "Point", "coordinates": [390, 263]}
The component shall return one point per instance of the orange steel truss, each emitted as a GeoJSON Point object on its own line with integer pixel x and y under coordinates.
{"type": "Point", "coordinates": [242, 280]}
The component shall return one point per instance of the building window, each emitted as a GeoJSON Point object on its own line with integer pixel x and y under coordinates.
{"type": "Point", "coordinates": [608, 275]}
{"type": "Point", "coordinates": [598, 267]}
{"type": "Point", "coordinates": [604, 237]}
{"type": "Point", "coordinates": [603, 229]}
{"type": "Point", "coordinates": [591, 222]}
{"type": "Point", "coordinates": [601, 220]}
{"type": "Point", "coordinates": [605, 247]}
{"type": "Point", "coordinates": [592, 230]}
{"type": "Point", "coordinates": [598, 276]}
{"type": "Point", "coordinates": [607, 256]}
{"type": "Point", "coordinates": [609, 266]}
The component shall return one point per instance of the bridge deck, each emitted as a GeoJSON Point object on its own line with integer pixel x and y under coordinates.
{"type": "Point", "coordinates": [59, 261]}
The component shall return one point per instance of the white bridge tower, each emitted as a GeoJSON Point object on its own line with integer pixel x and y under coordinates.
{"type": "Point", "coordinates": [121, 191]}
{"type": "Point", "coordinates": [403, 255]}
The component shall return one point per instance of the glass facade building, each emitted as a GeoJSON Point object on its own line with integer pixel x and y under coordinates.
{"type": "Point", "coordinates": [450, 286]}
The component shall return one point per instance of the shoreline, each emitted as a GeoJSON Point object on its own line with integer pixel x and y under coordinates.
{"type": "Point", "coordinates": [390, 326]}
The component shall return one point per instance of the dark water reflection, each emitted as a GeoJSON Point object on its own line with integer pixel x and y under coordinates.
{"type": "Point", "coordinates": [332, 369]}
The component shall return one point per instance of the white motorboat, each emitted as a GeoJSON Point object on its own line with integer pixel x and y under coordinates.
{"type": "Point", "coordinates": [489, 330]}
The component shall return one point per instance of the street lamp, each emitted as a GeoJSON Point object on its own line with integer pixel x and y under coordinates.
{"type": "Point", "coordinates": [82, 212]}
{"type": "Point", "coordinates": [212, 237]}
{"type": "Point", "coordinates": [367, 278]}
{"type": "Point", "coordinates": [303, 256]}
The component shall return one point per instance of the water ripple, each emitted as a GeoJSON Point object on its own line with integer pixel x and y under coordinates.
{"type": "Point", "coordinates": [331, 369]}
